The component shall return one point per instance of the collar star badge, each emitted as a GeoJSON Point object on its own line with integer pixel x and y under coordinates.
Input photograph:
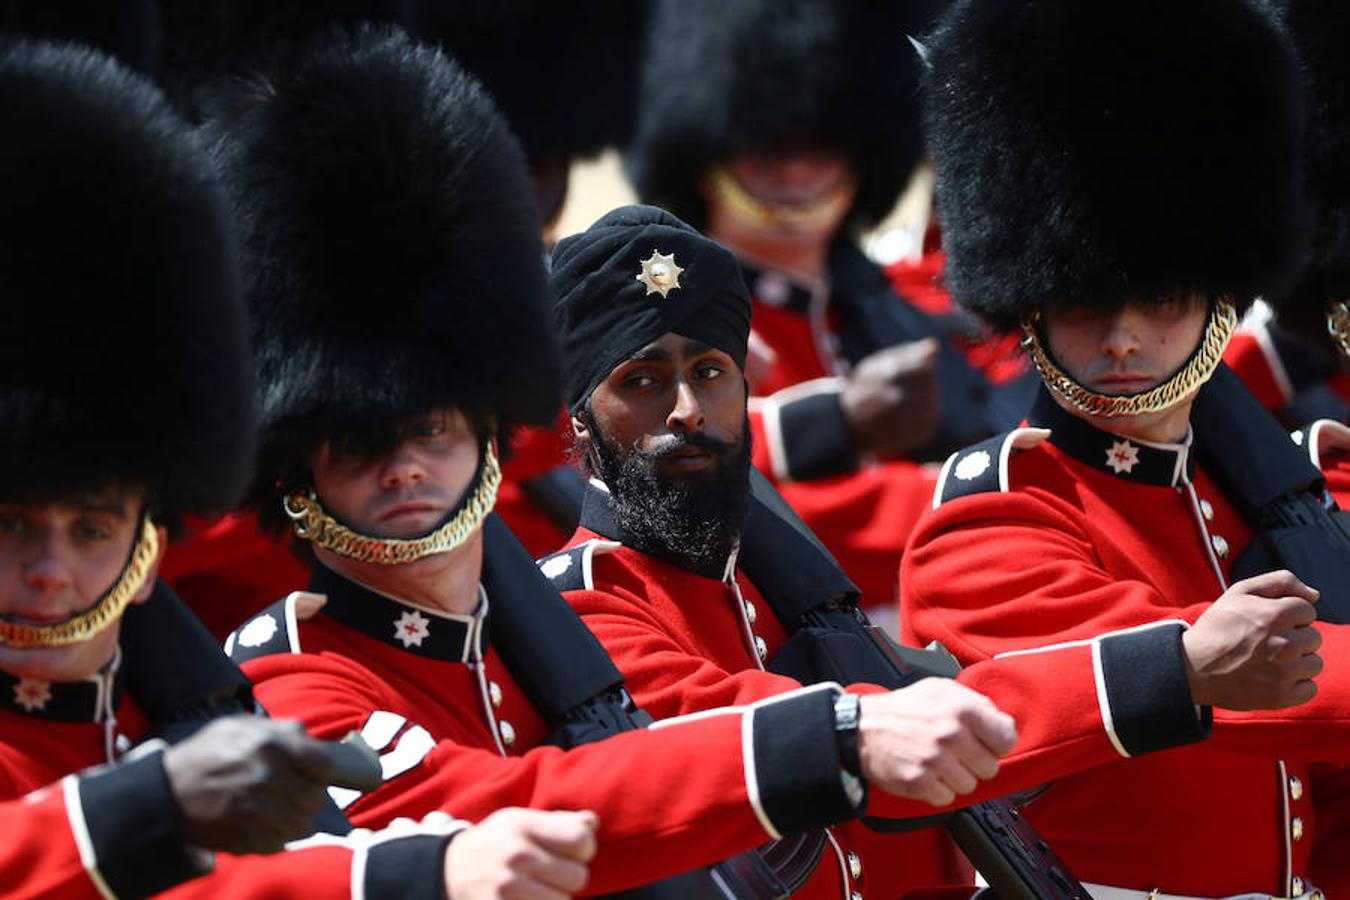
{"type": "Point", "coordinates": [660, 274]}
{"type": "Point", "coordinates": [410, 629]}
{"type": "Point", "coordinates": [1122, 457]}
{"type": "Point", "coordinates": [32, 694]}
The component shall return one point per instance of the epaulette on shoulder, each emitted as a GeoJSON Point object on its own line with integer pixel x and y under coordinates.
{"type": "Point", "coordinates": [983, 468]}
{"type": "Point", "coordinates": [573, 570]}
{"type": "Point", "coordinates": [1322, 440]}
{"type": "Point", "coordinates": [275, 629]}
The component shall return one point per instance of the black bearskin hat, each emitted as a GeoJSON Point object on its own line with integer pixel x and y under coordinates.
{"type": "Point", "coordinates": [1105, 151]}
{"type": "Point", "coordinates": [722, 78]}
{"type": "Point", "coordinates": [391, 259]}
{"type": "Point", "coordinates": [121, 329]}
{"type": "Point", "coordinates": [1321, 32]}
{"type": "Point", "coordinates": [209, 43]}
{"type": "Point", "coordinates": [563, 74]}
{"type": "Point", "coordinates": [126, 29]}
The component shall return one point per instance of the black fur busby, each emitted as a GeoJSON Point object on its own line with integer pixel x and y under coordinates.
{"type": "Point", "coordinates": [128, 30]}
{"type": "Point", "coordinates": [563, 74]}
{"type": "Point", "coordinates": [1104, 151]}
{"type": "Point", "coordinates": [1321, 31]}
{"type": "Point", "coordinates": [721, 78]}
{"type": "Point", "coordinates": [122, 339]}
{"type": "Point", "coordinates": [210, 43]}
{"type": "Point", "coordinates": [391, 258]}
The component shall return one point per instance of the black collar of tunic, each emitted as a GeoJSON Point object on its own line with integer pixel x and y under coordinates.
{"type": "Point", "coordinates": [64, 701]}
{"type": "Point", "coordinates": [414, 629]}
{"type": "Point", "coordinates": [1128, 459]}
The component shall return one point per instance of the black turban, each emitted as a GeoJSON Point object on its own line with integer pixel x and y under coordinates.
{"type": "Point", "coordinates": [605, 312]}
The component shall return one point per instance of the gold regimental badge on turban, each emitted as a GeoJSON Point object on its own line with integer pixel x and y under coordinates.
{"type": "Point", "coordinates": [660, 274]}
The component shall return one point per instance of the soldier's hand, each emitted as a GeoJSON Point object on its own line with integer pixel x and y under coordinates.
{"type": "Point", "coordinates": [890, 399]}
{"type": "Point", "coordinates": [1255, 647]}
{"type": "Point", "coordinates": [932, 741]}
{"type": "Point", "coordinates": [248, 785]}
{"type": "Point", "coordinates": [521, 853]}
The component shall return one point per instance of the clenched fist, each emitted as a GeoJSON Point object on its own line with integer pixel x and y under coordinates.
{"type": "Point", "coordinates": [890, 399]}
{"type": "Point", "coordinates": [247, 784]}
{"type": "Point", "coordinates": [1255, 648]}
{"type": "Point", "coordinates": [932, 741]}
{"type": "Point", "coordinates": [521, 854]}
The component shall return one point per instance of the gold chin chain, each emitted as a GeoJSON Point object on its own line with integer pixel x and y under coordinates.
{"type": "Point", "coordinates": [817, 214]}
{"type": "Point", "coordinates": [313, 524]}
{"type": "Point", "coordinates": [1223, 319]}
{"type": "Point", "coordinates": [108, 609]}
{"type": "Point", "coordinates": [1338, 325]}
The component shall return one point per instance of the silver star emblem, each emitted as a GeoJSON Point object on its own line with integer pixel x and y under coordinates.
{"type": "Point", "coordinates": [660, 274]}
{"type": "Point", "coordinates": [32, 694]}
{"type": "Point", "coordinates": [1122, 457]}
{"type": "Point", "coordinates": [410, 629]}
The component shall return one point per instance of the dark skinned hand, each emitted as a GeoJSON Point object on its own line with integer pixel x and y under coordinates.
{"type": "Point", "coordinates": [890, 399]}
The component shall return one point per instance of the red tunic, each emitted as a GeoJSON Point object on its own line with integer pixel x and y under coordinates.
{"type": "Point", "coordinates": [686, 642]}
{"type": "Point", "coordinates": [114, 829]}
{"type": "Point", "coordinates": [432, 694]}
{"type": "Point", "coordinates": [1084, 531]}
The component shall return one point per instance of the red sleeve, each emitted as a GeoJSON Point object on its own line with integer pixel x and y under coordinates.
{"type": "Point", "coordinates": [958, 588]}
{"type": "Point", "coordinates": [1093, 720]}
{"type": "Point", "coordinates": [762, 771]}
{"type": "Point", "coordinates": [39, 857]}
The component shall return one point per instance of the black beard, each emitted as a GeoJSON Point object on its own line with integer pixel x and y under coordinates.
{"type": "Point", "coordinates": [692, 520]}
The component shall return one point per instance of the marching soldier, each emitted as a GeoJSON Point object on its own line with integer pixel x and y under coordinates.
{"type": "Point", "coordinates": [669, 571]}
{"type": "Point", "coordinates": [1123, 222]}
{"type": "Point", "coordinates": [126, 405]}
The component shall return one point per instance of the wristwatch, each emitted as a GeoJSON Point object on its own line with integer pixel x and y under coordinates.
{"type": "Point", "coordinates": [847, 712]}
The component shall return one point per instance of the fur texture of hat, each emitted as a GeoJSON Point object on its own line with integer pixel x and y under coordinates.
{"type": "Point", "coordinates": [126, 29]}
{"type": "Point", "coordinates": [1091, 153]}
{"type": "Point", "coordinates": [391, 258]}
{"type": "Point", "coordinates": [1321, 32]}
{"type": "Point", "coordinates": [563, 74]}
{"type": "Point", "coordinates": [722, 78]}
{"type": "Point", "coordinates": [122, 338]}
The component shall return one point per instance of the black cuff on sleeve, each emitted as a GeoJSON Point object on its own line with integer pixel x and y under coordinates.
{"type": "Point", "coordinates": [1144, 678]}
{"type": "Point", "coordinates": [816, 443]}
{"type": "Point", "coordinates": [410, 868]}
{"type": "Point", "coordinates": [800, 776]}
{"type": "Point", "coordinates": [135, 828]}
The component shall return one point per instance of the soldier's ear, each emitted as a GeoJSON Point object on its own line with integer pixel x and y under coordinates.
{"type": "Point", "coordinates": [579, 430]}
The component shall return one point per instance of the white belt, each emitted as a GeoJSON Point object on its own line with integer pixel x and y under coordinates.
{"type": "Point", "coordinates": [1106, 892]}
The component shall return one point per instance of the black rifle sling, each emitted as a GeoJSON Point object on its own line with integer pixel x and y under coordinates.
{"type": "Point", "coordinates": [181, 679]}
{"type": "Point", "coordinates": [1276, 489]}
{"type": "Point", "coordinates": [830, 639]}
{"type": "Point", "coordinates": [575, 686]}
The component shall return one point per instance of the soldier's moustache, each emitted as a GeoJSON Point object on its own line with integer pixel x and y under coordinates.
{"type": "Point", "coordinates": [691, 518]}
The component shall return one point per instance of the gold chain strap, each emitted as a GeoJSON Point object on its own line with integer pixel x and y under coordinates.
{"type": "Point", "coordinates": [109, 608]}
{"type": "Point", "coordinates": [1338, 325]}
{"type": "Point", "coordinates": [312, 523]}
{"type": "Point", "coordinates": [1223, 319]}
{"type": "Point", "coordinates": [725, 185]}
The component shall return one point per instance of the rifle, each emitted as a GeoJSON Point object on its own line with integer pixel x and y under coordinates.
{"type": "Point", "coordinates": [831, 639]}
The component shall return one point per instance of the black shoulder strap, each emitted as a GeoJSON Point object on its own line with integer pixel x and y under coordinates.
{"type": "Point", "coordinates": [174, 668]}
{"type": "Point", "coordinates": [786, 561]}
{"type": "Point", "coordinates": [553, 656]}
{"type": "Point", "coordinates": [266, 632]}
{"type": "Point", "coordinates": [1244, 449]}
